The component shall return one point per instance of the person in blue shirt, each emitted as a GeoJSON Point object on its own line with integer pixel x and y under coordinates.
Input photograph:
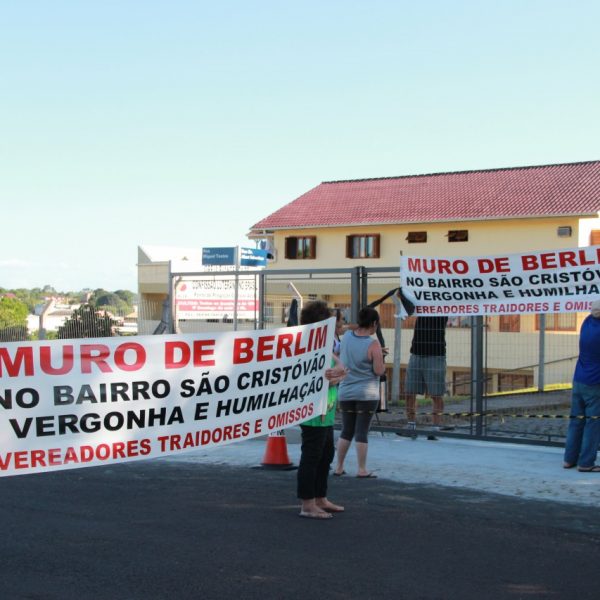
{"type": "Point", "coordinates": [583, 434]}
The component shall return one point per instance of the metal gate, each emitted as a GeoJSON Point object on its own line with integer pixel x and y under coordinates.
{"type": "Point", "coordinates": [500, 384]}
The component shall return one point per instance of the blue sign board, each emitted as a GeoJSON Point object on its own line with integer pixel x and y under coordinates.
{"type": "Point", "coordinates": [253, 257]}
{"type": "Point", "coordinates": [218, 256]}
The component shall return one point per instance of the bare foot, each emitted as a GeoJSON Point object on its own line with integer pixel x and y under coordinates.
{"type": "Point", "coordinates": [315, 513]}
{"type": "Point", "coordinates": [330, 507]}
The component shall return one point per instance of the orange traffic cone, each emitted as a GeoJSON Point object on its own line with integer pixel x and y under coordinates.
{"type": "Point", "coordinates": [276, 455]}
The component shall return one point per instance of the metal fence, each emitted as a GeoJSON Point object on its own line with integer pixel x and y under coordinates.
{"type": "Point", "coordinates": [507, 377]}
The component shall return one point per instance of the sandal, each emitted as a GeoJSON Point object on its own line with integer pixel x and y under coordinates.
{"type": "Point", "coordinates": [568, 465]}
{"type": "Point", "coordinates": [594, 469]}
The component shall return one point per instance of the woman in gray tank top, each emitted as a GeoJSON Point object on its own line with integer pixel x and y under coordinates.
{"type": "Point", "coordinates": [358, 392]}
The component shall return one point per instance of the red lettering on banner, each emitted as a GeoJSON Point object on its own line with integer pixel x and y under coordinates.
{"type": "Point", "coordinates": [265, 345]}
{"type": "Point", "coordinates": [498, 265]}
{"type": "Point", "coordinates": [242, 351]}
{"type": "Point", "coordinates": [269, 347]}
{"type": "Point", "coordinates": [46, 360]}
{"type": "Point", "coordinates": [23, 358]}
{"type": "Point", "coordinates": [529, 262]}
{"type": "Point", "coordinates": [95, 354]}
{"type": "Point", "coordinates": [553, 260]}
{"type": "Point", "coordinates": [438, 265]}
{"type": "Point", "coordinates": [284, 345]}
{"type": "Point", "coordinates": [178, 354]}
{"type": "Point", "coordinates": [129, 356]}
{"type": "Point", "coordinates": [204, 351]}
{"type": "Point", "coordinates": [53, 457]}
{"type": "Point", "coordinates": [140, 356]}
{"type": "Point", "coordinates": [298, 348]}
{"type": "Point", "coordinates": [184, 355]}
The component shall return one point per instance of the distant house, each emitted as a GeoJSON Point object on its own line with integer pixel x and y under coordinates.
{"type": "Point", "coordinates": [51, 315]}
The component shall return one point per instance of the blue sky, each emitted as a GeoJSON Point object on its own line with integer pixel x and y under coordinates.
{"type": "Point", "coordinates": [182, 123]}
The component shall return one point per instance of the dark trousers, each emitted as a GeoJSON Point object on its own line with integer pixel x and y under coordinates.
{"type": "Point", "coordinates": [316, 455]}
{"type": "Point", "coordinates": [356, 419]}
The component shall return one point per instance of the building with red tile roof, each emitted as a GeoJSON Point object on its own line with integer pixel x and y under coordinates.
{"type": "Point", "coordinates": [491, 211]}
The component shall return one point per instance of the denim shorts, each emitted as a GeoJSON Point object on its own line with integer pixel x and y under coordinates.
{"type": "Point", "coordinates": [426, 375]}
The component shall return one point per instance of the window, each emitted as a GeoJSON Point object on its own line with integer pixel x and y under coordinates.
{"type": "Point", "coordinates": [417, 237]}
{"type": "Point", "coordinates": [462, 322]}
{"type": "Point", "coordinates": [408, 323]}
{"type": "Point", "coordinates": [387, 312]}
{"type": "Point", "coordinates": [558, 322]}
{"type": "Point", "coordinates": [509, 382]}
{"type": "Point", "coordinates": [458, 235]}
{"type": "Point", "coordinates": [362, 246]}
{"type": "Point", "coordinates": [301, 247]}
{"type": "Point", "coordinates": [595, 237]}
{"type": "Point", "coordinates": [461, 383]}
{"type": "Point", "coordinates": [510, 323]}
{"type": "Point", "coordinates": [564, 231]}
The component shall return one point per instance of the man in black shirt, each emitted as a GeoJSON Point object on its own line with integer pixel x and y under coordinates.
{"type": "Point", "coordinates": [426, 373]}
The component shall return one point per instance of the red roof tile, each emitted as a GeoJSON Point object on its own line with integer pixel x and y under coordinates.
{"type": "Point", "coordinates": [539, 191]}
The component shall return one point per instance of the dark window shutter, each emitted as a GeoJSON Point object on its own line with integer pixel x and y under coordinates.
{"type": "Point", "coordinates": [291, 247]}
{"type": "Point", "coordinates": [376, 245]}
{"type": "Point", "coordinates": [349, 246]}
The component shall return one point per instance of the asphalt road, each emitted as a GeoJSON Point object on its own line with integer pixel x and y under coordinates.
{"type": "Point", "coordinates": [174, 530]}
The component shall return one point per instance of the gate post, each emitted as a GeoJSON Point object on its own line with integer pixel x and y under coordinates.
{"type": "Point", "coordinates": [477, 372]}
{"type": "Point", "coordinates": [355, 287]}
{"type": "Point", "coordinates": [397, 349]}
{"type": "Point", "coordinates": [261, 300]}
{"type": "Point", "coordinates": [542, 353]}
{"type": "Point", "coordinates": [364, 287]}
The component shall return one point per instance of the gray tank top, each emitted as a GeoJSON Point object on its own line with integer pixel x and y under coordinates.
{"type": "Point", "coordinates": [360, 383]}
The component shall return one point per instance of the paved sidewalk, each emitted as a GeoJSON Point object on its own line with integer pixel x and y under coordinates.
{"type": "Point", "coordinates": [519, 470]}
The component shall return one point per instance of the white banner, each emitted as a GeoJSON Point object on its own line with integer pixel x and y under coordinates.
{"type": "Point", "coordinates": [208, 297]}
{"type": "Point", "coordinates": [75, 403]}
{"type": "Point", "coordinates": [552, 281]}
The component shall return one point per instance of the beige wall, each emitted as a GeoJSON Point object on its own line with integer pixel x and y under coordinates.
{"type": "Point", "coordinates": [153, 278]}
{"type": "Point", "coordinates": [485, 238]}
{"type": "Point", "coordinates": [506, 351]}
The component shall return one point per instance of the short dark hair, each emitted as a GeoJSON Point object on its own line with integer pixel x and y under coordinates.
{"type": "Point", "coordinates": [367, 316]}
{"type": "Point", "coordinates": [314, 311]}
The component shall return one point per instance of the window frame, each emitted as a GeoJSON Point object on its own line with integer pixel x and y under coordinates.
{"type": "Point", "coordinates": [509, 323]}
{"type": "Point", "coordinates": [416, 237]}
{"type": "Point", "coordinates": [305, 247]}
{"type": "Point", "coordinates": [553, 322]}
{"type": "Point", "coordinates": [363, 238]}
{"type": "Point", "coordinates": [458, 235]}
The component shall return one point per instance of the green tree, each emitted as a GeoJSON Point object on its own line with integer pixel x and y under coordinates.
{"type": "Point", "coordinates": [128, 297]}
{"type": "Point", "coordinates": [86, 322]}
{"type": "Point", "coordinates": [13, 319]}
{"type": "Point", "coordinates": [118, 303]}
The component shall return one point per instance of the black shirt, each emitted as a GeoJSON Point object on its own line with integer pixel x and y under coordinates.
{"type": "Point", "coordinates": [429, 338]}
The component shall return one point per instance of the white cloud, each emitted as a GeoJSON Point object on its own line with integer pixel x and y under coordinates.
{"type": "Point", "coordinates": [15, 263]}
